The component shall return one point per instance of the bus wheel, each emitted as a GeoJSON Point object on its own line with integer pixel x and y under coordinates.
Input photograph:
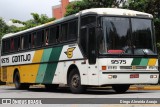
{"type": "Point", "coordinates": [119, 88]}
{"type": "Point", "coordinates": [51, 87]}
{"type": "Point", "coordinates": [18, 84]}
{"type": "Point", "coordinates": [75, 82]}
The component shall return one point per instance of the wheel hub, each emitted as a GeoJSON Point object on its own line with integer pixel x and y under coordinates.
{"type": "Point", "coordinates": [75, 81]}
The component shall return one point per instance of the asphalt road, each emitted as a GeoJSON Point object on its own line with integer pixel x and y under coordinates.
{"type": "Point", "coordinates": [38, 92]}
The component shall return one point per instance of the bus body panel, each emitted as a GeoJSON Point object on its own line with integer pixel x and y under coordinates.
{"type": "Point", "coordinates": [128, 71]}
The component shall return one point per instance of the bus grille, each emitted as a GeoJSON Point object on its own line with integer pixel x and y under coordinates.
{"type": "Point", "coordinates": [133, 67]}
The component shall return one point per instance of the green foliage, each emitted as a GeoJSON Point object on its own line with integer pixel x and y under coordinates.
{"type": "Point", "coordinates": [77, 6]}
{"type": "Point", "coordinates": [3, 27]}
{"type": "Point", "coordinates": [37, 20]}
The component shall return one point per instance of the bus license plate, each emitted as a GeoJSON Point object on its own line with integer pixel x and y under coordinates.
{"type": "Point", "coordinates": [134, 75]}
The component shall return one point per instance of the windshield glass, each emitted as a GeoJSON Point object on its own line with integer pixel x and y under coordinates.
{"type": "Point", "coordinates": [126, 36]}
{"type": "Point", "coordinates": [142, 35]}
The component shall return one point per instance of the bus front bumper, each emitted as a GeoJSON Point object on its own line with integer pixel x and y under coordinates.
{"type": "Point", "coordinates": [128, 78]}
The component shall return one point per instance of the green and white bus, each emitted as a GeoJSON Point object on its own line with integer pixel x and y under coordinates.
{"type": "Point", "coordinates": [95, 47]}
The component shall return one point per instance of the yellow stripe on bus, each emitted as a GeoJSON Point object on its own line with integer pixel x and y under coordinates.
{"type": "Point", "coordinates": [29, 72]}
{"type": "Point", "coordinates": [152, 62]}
{"type": "Point", "coordinates": [37, 56]}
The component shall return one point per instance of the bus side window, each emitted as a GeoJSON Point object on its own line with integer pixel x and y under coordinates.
{"type": "Point", "coordinates": [22, 42]}
{"type": "Point", "coordinates": [57, 34]}
{"type": "Point", "coordinates": [40, 38]}
{"type": "Point", "coordinates": [29, 41]}
{"type": "Point", "coordinates": [12, 44]}
{"type": "Point", "coordinates": [17, 43]}
{"type": "Point", "coordinates": [6, 46]}
{"type": "Point", "coordinates": [43, 38]}
{"type": "Point", "coordinates": [52, 36]}
{"type": "Point", "coordinates": [34, 38]}
{"type": "Point", "coordinates": [64, 32]}
{"type": "Point", "coordinates": [73, 30]}
{"type": "Point", "coordinates": [46, 37]}
{"type": "Point", "coordinates": [3, 46]}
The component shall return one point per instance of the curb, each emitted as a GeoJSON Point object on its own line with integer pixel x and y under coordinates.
{"type": "Point", "coordinates": [145, 87]}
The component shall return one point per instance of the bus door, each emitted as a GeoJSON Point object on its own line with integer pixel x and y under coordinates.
{"type": "Point", "coordinates": [91, 53]}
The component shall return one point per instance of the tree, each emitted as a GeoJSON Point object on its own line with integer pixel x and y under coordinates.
{"type": "Point", "coordinates": [77, 6]}
{"type": "Point", "coordinates": [3, 27]}
{"type": "Point", "coordinates": [37, 20]}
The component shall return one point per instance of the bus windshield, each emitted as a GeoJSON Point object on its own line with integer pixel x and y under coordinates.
{"type": "Point", "coordinates": [126, 36]}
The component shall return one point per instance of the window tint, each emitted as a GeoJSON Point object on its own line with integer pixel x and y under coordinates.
{"type": "Point", "coordinates": [83, 40]}
{"type": "Point", "coordinates": [40, 38]}
{"type": "Point", "coordinates": [16, 44]}
{"type": "Point", "coordinates": [46, 37]}
{"type": "Point", "coordinates": [52, 37]}
{"type": "Point", "coordinates": [12, 44]}
{"type": "Point", "coordinates": [92, 46]}
{"type": "Point", "coordinates": [25, 42]}
{"type": "Point", "coordinates": [64, 32]}
{"type": "Point", "coordinates": [33, 39]}
{"type": "Point", "coordinates": [73, 29]}
{"type": "Point", "coordinates": [88, 20]}
{"type": "Point", "coordinates": [6, 46]}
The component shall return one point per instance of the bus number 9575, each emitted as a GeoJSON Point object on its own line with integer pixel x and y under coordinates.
{"type": "Point", "coordinates": [118, 61]}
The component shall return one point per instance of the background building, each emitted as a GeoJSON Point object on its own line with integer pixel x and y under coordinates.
{"type": "Point", "coordinates": [59, 11]}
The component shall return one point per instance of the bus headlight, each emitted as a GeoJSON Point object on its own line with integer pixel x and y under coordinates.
{"type": "Point", "coordinates": [153, 67]}
{"type": "Point", "coordinates": [112, 67]}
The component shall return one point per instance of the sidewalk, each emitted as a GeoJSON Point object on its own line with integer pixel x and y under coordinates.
{"type": "Point", "coordinates": [144, 87]}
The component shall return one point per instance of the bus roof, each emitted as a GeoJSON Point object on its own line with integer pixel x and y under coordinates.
{"type": "Point", "coordinates": [101, 11]}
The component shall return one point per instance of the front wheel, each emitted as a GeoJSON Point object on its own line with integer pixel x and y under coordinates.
{"type": "Point", "coordinates": [18, 84]}
{"type": "Point", "coordinates": [75, 82]}
{"type": "Point", "coordinates": [120, 88]}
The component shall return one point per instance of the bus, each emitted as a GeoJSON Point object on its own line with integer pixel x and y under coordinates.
{"type": "Point", "coordinates": [1, 83]}
{"type": "Point", "coordinates": [93, 48]}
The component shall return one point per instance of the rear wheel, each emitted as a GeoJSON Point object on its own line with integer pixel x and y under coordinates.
{"type": "Point", "coordinates": [18, 84]}
{"type": "Point", "coordinates": [120, 88]}
{"type": "Point", "coordinates": [75, 82]}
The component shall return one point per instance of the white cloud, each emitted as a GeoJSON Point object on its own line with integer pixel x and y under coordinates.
{"type": "Point", "coordinates": [10, 23]}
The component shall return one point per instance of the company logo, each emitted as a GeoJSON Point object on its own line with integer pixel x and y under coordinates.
{"type": "Point", "coordinates": [6, 101]}
{"type": "Point", "coordinates": [69, 52]}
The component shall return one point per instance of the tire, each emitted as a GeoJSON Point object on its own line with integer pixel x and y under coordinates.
{"type": "Point", "coordinates": [75, 82]}
{"type": "Point", "coordinates": [51, 87]}
{"type": "Point", "coordinates": [120, 88]}
{"type": "Point", "coordinates": [18, 84]}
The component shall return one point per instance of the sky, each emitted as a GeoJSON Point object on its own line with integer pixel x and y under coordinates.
{"type": "Point", "coordinates": [21, 9]}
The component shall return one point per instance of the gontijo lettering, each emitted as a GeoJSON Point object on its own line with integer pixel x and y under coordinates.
{"type": "Point", "coordinates": [21, 58]}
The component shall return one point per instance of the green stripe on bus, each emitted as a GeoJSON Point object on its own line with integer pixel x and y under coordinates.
{"type": "Point", "coordinates": [43, 67]}
{"type": "Point", "coordinates": [136, 61]}
{"type": "Point", "coordinates": [51, 68]}
{"type": "Point", "coordinates": [144, 62]}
